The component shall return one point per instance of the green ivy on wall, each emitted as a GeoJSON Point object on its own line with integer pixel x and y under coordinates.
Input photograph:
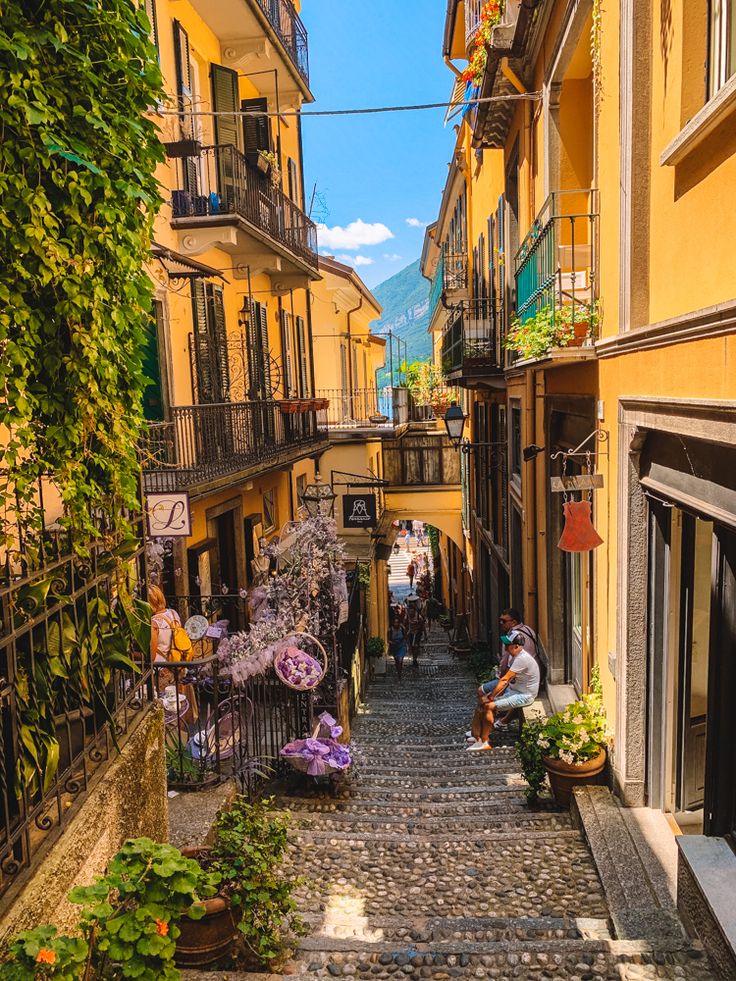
{"type": "Point", "coordinates": [79, 195]}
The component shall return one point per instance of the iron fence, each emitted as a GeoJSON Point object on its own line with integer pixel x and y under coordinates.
{"type": "Point", "coordinates": [556, 265]}
{"type": "Point", "coordinates": [204, 442]}
{"type": "Point", "coordinates": [222, 182]}
{"type": "Point", "coordinates": [288, 25]}
{"type": "Point", "coordinates": [471, 338]}
{"type": "Point", "coordinates": [73, 683]}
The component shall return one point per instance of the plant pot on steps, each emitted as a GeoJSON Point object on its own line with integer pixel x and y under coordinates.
{"type": "Point", "coordinates": [211, 938]}
{"type": "Point", "coordinates": [564, 776]}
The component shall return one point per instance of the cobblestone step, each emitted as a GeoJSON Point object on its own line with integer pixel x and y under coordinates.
{"type": "Point", "coordinates": [426, 825]}
{"type": "Point", "coordinates": [495, 806]}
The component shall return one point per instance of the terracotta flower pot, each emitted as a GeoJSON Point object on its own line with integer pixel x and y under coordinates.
{"type": "Point", "coordinates": [564, 776]}
{"type": "Point", "coordinates": [288, 407]}
{"type": "Point", "coordinates": [581, 332]}
{"type": "Point", "coordinates": [211, 938]}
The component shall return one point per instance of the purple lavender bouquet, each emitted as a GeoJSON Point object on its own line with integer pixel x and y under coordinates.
{"type": "Point", "coordinates": [320, 753]}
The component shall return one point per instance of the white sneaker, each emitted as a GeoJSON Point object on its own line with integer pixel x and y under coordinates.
{"type": "Point", "coordinates": [478, 747]}
{"type": "Point", "coordinates": [501, 726]}
{"type": "Point", "coordinates": [469, 735]}
{"type": "Point", "coordinates": [474, 744]}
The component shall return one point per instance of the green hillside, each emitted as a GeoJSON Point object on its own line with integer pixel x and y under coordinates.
{"type": "Point", "coordinates": [405, 301]}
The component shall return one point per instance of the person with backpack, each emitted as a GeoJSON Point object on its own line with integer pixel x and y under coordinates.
{"type": "Point", "coordinates": [415, 625]}
{"type": "Point", "coordinates": [397, 645]}
{"type": "Point", "coordinates": [170, 642]}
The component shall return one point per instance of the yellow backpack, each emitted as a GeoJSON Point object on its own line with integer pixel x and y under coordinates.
{"type": "Point", "coordinates": [181, 644]}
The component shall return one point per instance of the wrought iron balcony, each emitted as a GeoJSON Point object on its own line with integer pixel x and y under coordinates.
{"type": "Point", "coordinates": [471, 343]}
{"type": "Point", "coordinates": [204, 443]}
{"type": "Point", "coordinates": [220, 185]}
{"type": "Point", "coordinates": [557, 264]}
{"type": "Point", "coordinates": [292, 33]}
{"type": "Point", "coordinates": [450, 279]}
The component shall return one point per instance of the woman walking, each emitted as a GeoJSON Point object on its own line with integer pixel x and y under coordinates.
{"type": "Point", "coordinates": [397, 645]}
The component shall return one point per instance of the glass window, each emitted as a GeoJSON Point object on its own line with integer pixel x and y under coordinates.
{"type": "Point", "coordinates": [722, 44]}
{"type": "Point", "coordinates": [269, 510]}
{"type": "Point", "coordinates": [515, 445]}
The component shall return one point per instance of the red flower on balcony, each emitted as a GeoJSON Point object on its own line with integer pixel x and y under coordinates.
{"type": "Point", "coordinates": [490, 15]}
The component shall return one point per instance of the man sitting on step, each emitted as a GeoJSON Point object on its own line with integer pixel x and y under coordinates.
{"type": "Point", "coordinates": [517, 688]}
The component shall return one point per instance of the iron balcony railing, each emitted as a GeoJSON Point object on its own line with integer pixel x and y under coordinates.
{"type": "Point", "coordinates": [450, 276]}
{"type": "Point", "coordinates": [69, 695]}
{"type": "Point", "coordinates": [359, 407]}
{"type": "Point", "coordinates": [202, 443]}
{"type": "Point", "coordinates": [292, 33]}
{"type": "Point", "coordinates": [471, 340]}
{"type": "Point", "coordinates": [557, 264]}
{"type": "Point", "coordinates": [221, 182]}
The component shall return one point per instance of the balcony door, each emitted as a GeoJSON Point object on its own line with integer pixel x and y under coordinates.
{"type": "Point", "coordinates": [260, 383]}
{"type": "Point", "coordinates": [225, 98]}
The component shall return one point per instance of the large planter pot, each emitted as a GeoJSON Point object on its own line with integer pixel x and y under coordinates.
{"type": "Point", "coordinates": [564, 776]}
{"type": "Point", "coordinates": [211, 938]}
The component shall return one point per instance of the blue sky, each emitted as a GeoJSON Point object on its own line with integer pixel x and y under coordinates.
{"type": "Point", "coordinates": [382, 169]}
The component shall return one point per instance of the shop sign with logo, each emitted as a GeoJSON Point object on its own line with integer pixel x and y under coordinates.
{"type": "Point", "coordinates": [168, 515]}
{"type": "Point", "coordinates": [359, 511]}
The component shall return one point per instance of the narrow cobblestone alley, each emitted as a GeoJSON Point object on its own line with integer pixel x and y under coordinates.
{"type": "Point", "coordinates": [434, 866]}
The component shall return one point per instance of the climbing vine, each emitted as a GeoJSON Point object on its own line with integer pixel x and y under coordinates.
{"type": "Point", "coordinates": [77, 160]}
{"type": "Point", "coordinates": [595, 54]}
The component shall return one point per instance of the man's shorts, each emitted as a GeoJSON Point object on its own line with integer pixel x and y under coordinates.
{"type": "Point", "coordinates": [512, 700]}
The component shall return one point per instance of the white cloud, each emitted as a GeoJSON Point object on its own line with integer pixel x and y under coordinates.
{"type": "Point", "coordinates": [354, 236]}
{"type": "Point", "coordinates": [416, 223]}
{"type": "Point", "coordinates": [356, 260]}
{"type": "Point", "coordinates": [392, 256]}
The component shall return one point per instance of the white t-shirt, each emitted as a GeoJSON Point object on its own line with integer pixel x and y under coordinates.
{"type": "Point", "coordinates": [526, 669]}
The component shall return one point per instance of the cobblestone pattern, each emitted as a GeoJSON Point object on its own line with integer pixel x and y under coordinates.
{"type": "Point", "coordinates": [431, 865]}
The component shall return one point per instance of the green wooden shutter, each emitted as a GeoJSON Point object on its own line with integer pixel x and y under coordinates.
{"type": "Point", "coordinates": [265, 354]}
{"type": "Point", "coordinates": [224, 83]}
{"type": "Point", "coordinates": [185, 102]}
{"type": "Point", "coordinates": [288, 356]}
{"type": "Point", "coordinates": [256, 129]}
{"type": "Point", "coordinates": [218, 343]}
{"type": "Point", "coordinates": [153, 407]}
{"type": "Point", "coordinates": [301, 337]}
{"type": "Point", "coordinates": [201, 343]}
{"type": "Point", "coordinates": [151, 12]}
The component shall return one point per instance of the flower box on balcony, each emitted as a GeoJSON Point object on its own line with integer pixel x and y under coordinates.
{"type": "Point", "coordinates": [321, 404]}
{"type": "Point", "coordinates": [183, 148]}
{"type": "Point", "coordinates": [290, 407]}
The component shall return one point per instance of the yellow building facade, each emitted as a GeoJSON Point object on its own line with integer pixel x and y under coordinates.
{"type": "Point", "coordinates": [234, 423]}
{"type": "Point", "coordinates": [592, 331]}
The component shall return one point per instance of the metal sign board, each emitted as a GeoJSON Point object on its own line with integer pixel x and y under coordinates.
{"type": "Point", "coordinates": [578, 482]}
{"type": "Point", "coordinates": [169, 515]}
{"type": "Point", "coordinates": [359, 511]}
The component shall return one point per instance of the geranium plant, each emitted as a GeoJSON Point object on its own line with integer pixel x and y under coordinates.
{"type": "Point", "coordinates": [576, 734]}
{"type": "Point", "coordinates": [550, 327]}
{"type": "Point", "coordinates": [490, 15]}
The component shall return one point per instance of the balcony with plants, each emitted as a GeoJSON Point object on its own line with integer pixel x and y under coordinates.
{"type": "Point", "coordinates": [557, 310]}
{"type": "Point", "coordinates": [471, 343]}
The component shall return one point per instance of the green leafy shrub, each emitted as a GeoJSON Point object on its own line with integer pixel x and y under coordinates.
{"type": "Point", "coordinates": [482, 662]}
{"type": "Point", "coordinates": [78, 157]}
{"type": "Point", "coordinates": [375, 647]}
{"type": "Point", "coordinates": [576, 734]}
{"type": "Point", "coordinates": [129, 921]}
{"type": "Point", "coordinates": [250, 843]}
{"type": "Point", "coordinates": [530, 754]}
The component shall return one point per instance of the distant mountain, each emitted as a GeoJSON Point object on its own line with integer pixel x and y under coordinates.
{"type": "Point", "coordinates": [405, 301]}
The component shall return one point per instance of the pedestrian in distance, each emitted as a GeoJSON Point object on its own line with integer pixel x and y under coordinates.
{"type": "Point", "coordinates": [411, 571]}
{"type": "Point", "coordinates": [397, 645]}
{"type": "Point", "coordinates": [518, 687]}
{"type": "Point", "coordinates": [415, 626]}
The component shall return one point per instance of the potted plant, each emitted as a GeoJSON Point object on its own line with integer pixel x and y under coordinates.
{"type": "Point", "coordinates": [255, 903]}
{"type": "Point", "coordinates": [375, 647]}
{"type": "Point", "coordinates": [573, 744]}
{"type": "Point", "coordinates": [552, 327]}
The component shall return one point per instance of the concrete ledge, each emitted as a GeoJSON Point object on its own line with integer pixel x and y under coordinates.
{"type": "Point", "coordinates": [706, 890]}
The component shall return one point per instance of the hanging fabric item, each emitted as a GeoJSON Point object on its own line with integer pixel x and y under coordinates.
{"type": "Point", "coordinates": [578, 534]}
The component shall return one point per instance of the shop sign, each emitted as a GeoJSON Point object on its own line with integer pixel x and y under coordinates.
{"type": "Point", "coordinates": [577, 482]}
{"type": "Point", "coordinates": [359, 511]}
{"type": "Point", "coordinates": [168, 515]}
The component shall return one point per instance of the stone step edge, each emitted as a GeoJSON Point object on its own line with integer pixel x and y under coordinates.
{"type": "Point", "coordinates": [435, 922]}
{"type": "Point", "coordinates": [425, 821]}
{"type": "Point", "coordinates": [368, 838]}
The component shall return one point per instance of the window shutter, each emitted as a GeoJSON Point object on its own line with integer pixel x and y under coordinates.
{"type": "Point", "coordinates": [218, 335]}
{"type": "Point", "coordinates": [151, 12]}
{"type": "Point", "coordinates": [256, 129]}
{"type": "Point", "coordinates": [301, 336]}
{"type": "Point", "coordinates": [293, 181]}
{"type": "Point", "coordinates": [265, 354]}
{"type": "Point", "coordinates": [288, 357]}
{"type": "Point", "coordinates": [225, 99]}
{"type": "Point", "coordinates": [183, 80]}
{"type": "Point", "coordinates": [201, 342]}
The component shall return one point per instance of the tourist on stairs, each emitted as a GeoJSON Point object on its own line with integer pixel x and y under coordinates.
{"type": "Point", "coordinates": [397, 645]}
{"type": "Point", "coordinates": [517, 688]}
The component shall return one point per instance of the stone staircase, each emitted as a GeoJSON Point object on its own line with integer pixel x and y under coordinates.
{"type": "Point", "coordinates": [432, 865]}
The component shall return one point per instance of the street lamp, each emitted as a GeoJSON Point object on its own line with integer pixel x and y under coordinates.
{"type": "Point", "coordinates": [455, 424]}
{"type": "Point", "coordinates": [319, 498]}
{"type": "Point", "coordinates": [531, 452]}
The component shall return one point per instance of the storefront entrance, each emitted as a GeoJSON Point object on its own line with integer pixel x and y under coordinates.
{"type": "Point", "coordinates": [692, 722]}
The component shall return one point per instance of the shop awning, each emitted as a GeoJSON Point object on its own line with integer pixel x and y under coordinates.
{"type": "Point", "coordinates": [181, 266]}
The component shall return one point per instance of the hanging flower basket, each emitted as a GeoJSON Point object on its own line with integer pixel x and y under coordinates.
{"type": "Point", "coordinates": [300, 669]}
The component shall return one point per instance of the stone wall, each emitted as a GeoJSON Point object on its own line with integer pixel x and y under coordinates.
{"type": "Point", "coordinates": [128, 801]}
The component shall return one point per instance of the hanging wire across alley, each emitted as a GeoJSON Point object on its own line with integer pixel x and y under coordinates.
{"type": "Point", "coordinates": [514, 97]}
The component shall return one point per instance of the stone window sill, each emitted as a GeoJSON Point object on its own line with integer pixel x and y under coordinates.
{"type": "Point", "coordinates": [699, 128]}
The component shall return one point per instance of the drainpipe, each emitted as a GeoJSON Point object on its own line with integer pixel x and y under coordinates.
{"type": "Point", "coordinates": [530, 509]}
{"type": "Point", "coordinates": [350, 344]}
{"type": "Point", "coordinates": [455, 71]}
